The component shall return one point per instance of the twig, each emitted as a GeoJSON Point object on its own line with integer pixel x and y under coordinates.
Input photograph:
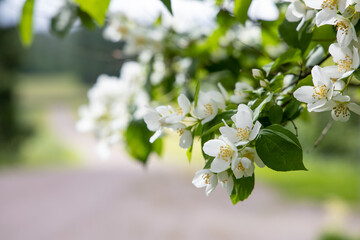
{"type": "Point", "coordinates": [296, 129]}
{"type": "Point", "coordinates": [324, 132]}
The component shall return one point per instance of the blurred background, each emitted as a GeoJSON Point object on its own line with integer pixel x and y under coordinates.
{"type": "Point", "coordinates": [53, 186]}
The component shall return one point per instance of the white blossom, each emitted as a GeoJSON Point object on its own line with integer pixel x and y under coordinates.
{"type": "Point", "coordinates": [318, 95]}
{"type": "Point", "coordinates": [242, 167]}
{"type": "Point", "coordinates": [224, 152]}
{"type": "Point", "coordinates": [205, 178]}
{"type": "Point", "coordinates": [208, 105]}
{"type": "Point", "coordinates": [226, 181]}
{"type": "Point", "coordinates": [240, 94]}
{"type": "Point", "coordinates": [297, 11]}
{"type": "Point", "coordinates": [245, 129]}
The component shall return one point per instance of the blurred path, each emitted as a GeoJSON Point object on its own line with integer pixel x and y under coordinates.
{"type": "Point", "coordinates": [126, 201]}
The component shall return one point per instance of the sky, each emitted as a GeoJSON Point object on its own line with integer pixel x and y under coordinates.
{"type": "Point", "coordinates": [186, 12]}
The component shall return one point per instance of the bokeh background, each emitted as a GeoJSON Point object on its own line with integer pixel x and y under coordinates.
{"type": "Point", "coordinates": [53, 186]}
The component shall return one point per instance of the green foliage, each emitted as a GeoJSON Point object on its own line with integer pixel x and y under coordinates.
{"type": "Point", "coordinates": [242, 189]}
{"type": "Point", "coordinates": [299, 40]}
{"type": "Point", "coordinates": [95, 8]}
{"type": "Point", "coordinates": [26, 23]}
{"type": "Point", "coordinates": [167, 4]}
{"type": "Point", "coordinates": [240, 9]}
{"type": "Point", "coordinates": [62, 22]}
{"type": "Point", "coordinates": [275, 114]}
{"type": "Point", "coordinates": [279, 149]}
{"type": "Point", "coordinates": [137, 141]}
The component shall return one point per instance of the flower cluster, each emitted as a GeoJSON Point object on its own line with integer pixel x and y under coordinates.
{"type": "Point", "coordinates": [329, 82]}
{"type": "Point", "coordinates": [110, 100]}
{"type": "Point", "coordinates": [232, 158]}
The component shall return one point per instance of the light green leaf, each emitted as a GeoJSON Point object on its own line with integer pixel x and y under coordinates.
{"type": "Point", "coordinates": [197, 90]}
{"type": "Point", "coordinates": [26, 33]}
{"type": "Point", "coordinates": [167, 4]}
{"type": "Point", "coordinates": [242, 189]}
{"type": "Point", "coordinates": [261, 106]}
{"type": "Point", "coordinates": [241, 8]}
{"type": "Point", "coordinates": [279, 149]}
{"type": "Point", "coordinates": [95, 8]}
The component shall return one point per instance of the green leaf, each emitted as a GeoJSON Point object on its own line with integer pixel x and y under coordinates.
{"type": "Point", "coordinates": [137, 141]}
{"type": "Point", "coordinates": [357, 74]}
{"type": "Point", "coordinates": [241, 8]}
{"type": "Point", "coordinates": [86, 20]}
{"type": "Point", "coordinates": [291, 55]}
{"type": "Point", "coordinates": [197, 90]}
{"type": "Point", "coordinates": [275, 114]}
{"type": "Point", "coordinates": [167, 4]}
{"type": "Point", "coordinates": [26, 33]}
{"type": "Point", "coordinates": [293, 38]}
{"type": "Point", "coordinates": [307, 81]}
{"type": "Point", "coordinates": [279, 149]}
{"type": "Point", "coordinates": [242, 189]}
{"type": "Point", "coordinates": [261, 106]}
{"type": "Point", "coordinates": [292, 110]}
{"type": "Point", "coordinates": [95, 8]}
{"type": "Point", "coordinates": [189, 153]}
{"type": "Point", "coordinates": [62, 22]}
{"type": "Point", "coordinates": [324, 34]}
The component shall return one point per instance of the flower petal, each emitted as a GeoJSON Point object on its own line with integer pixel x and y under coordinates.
{"type": "Point", "coordinates": [186, 139]}
{"type": "Point", "coordinates": [354, 108]}
{"type": "Point", "coordinates": [156, 135]}
{"type": "Point", "coordinates": [255, 130]}
{"type": "Point", "coordinates": [184, 103]}
{"type": "Point", "coordinates": [212, 147]}
{"type": "Point", "coordinates": [219, 165]}
{"type": "Point", "coordinates": [305, 94]}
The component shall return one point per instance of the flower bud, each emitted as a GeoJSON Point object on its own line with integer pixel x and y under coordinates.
{"type": "Point", "coordinates": [257, 74]}
{"type": "Point", "coordinates": [264, 83]}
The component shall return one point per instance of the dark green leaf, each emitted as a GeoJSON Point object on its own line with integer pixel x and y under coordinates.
{"type": "Point", "coordinates": [26, 33]}
{"type": "Point", "coordinates": [305, 81]}
{"type": "Point", "coordinates": [137, 141]}
{"type": "Point", "coordinates": [291, 55]}
{"type": "Point", "coordinates": [241, 8]}
{"type": "Point", "coordinates": [167, 4]}
{"type": "Point", "coordinates": [293, 38]}
{"type": "Point", "coordinates": [261, 106]}
{"type": "Point", "coordinates": [86, 20]}
{"type": "Point", "coordinates": [292, 110]}
{"type": "Point", "coordinates": [279, 149]}
{"type": "Point", "coordinates": [357, 74]}
{"type": "Point", "coordinates": [62, 22]}
{"type": "Point", "coordinates": [95, 8]}
{"type": "Point", "coordinates": [275, 114]}
{"type": "Point", "coordinates": [242, 189]}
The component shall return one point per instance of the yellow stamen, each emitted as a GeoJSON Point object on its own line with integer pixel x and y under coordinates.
{"type": "Point", "coordinates": [243, 133]}
{"type": "Point", "coordinates": [208, 109]}
{"type": "Point", "coordinates": [329, 4]}
{"type": "Point", "coordinates": [341, 109]}
{"type": "Point", "coordinates": [320, 91]}
{"type": "Point", "coordinates": [206, 178]}
{"type": "Point", "coordinates": [225, 153]}
{"type": "Point", "coordinates": [345, 64]}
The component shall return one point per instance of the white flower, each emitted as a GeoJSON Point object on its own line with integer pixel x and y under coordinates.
{"type": "Point", "coordinates": [318, 95]}
{"type": "Point", "coordinates": [347, 61]}
{"type": "Point", "coordinates": [166, 117]}
{"type": "Point", "coordinates": [245, 130]}
{"type": "Point", "coordinates": [205, 178]}
{"type": "Point", "coordinates": [157, 119]}
{"type": "Point", "coordinates": [251, 154]}
{"type": "Point", "coordinates": [297, 11]}
{"type": "Point", "coordinates": [328, 8]}
{"type": "Point", "coordinates": [345, 29]}
{"type": "Point", "coordinates": [208, 105]}
{"type": "Point", "coordinates": [118, 28]}
{"type": "Point", "coordinates": [223, 151]}
{"type": "Point", "coordinates": [340, 108]}
{"type": "Point", "coordinates": [242, 167]}
{"type": "Point", "coordinates": [240, 95]}
{"type": "Point", "coordinates": [226, 180]}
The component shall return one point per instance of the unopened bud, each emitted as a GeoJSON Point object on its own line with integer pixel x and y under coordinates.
{"type": "Point", "coordinates": [264, 83]}
{"type": "Point", "coordinates": [257, 74]}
